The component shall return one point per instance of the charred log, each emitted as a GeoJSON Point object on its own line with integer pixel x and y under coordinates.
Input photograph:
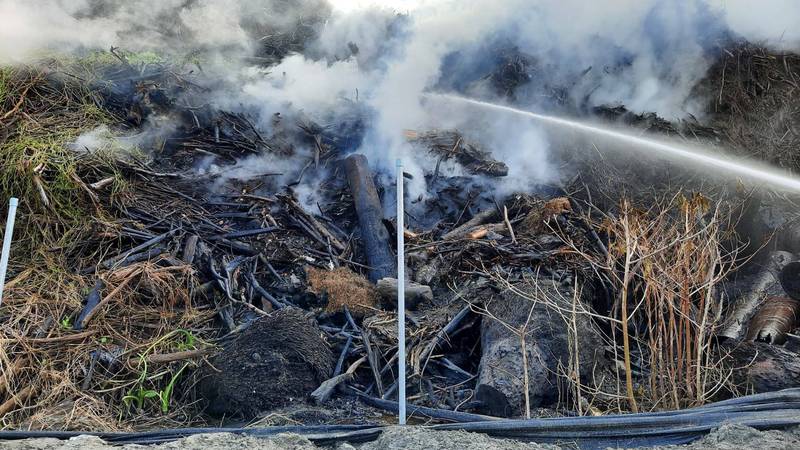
{"type": "Point", "coordinates": [415, 292]}
{"type": "Point", "coordinates": [750, 292]}
{"type": "Point", "coordinates": [776, 317]}
{"type": "Point", "coordinates": [543, 335]}
{"type": "Point", "coordinates": [761, 367]}
{"type": "Point", "coordinates": [374, 235]}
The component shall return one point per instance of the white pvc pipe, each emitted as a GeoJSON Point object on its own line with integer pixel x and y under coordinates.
{"type": "Point", "coordinates": [401, 299]}
{"type": "Point", "coordinates": [7, 236]}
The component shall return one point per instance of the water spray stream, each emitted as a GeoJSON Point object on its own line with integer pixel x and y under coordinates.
{"type": "Point", "coordinates": [745, 168]}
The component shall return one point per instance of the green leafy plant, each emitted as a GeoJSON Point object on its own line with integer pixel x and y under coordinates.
{"type": "Point", "coordinates": [166, 394]}
{"type": "Point", "coordinates": [188, 342]}
{"type": "Point", "coordinates": [66, 323]}
{"type": "Point", "coordinates": [138, 394]}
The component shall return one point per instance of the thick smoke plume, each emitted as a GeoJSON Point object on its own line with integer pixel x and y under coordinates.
{"type": "Point", "coordinates": [168, 26]}
{"type": "Point", "coordinates": [378, 58]}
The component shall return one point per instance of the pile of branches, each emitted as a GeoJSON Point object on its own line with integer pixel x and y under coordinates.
{"type": "Point", "coordinates": [129, 274]}
{"type": "Point", "coordinates": [752, 93]}
{"type": "Point", "coordinates": [450, 144]}
{"type": "Point", "coordinates": [126, 270]}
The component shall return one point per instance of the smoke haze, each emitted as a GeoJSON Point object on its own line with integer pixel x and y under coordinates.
{"type": "Point", "coordinates": [378, 57]}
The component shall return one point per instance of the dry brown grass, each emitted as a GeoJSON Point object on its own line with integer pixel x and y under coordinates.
{"type": "Point", "coordinates": [753, 93]}
{"type": "Point", "coordinates": [663, 269]}
{"type": "Point", "coordinates": [79, 379]}
{"type": "Point", "coordinates": [538, 219]}
{"type": "Point", "coordinates": [54, 376]}
{"type": "Point", "coordinates": [343, 287]}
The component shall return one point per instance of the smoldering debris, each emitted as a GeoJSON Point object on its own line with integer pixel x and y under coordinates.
{"type": "Point", "coordinates": [448, 144]}
{"type": "Point", "coordinates": [200, 240]}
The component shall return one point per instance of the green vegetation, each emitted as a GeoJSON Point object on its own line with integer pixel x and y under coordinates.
{"type": "Point", "coordinates": [66, 322]}
{"type": "Point", "coordinates": [180, 340]}
{"type": "Point", "coordinates": [64, 225]}
{"type": "Point", "coordinates": [37, 164]}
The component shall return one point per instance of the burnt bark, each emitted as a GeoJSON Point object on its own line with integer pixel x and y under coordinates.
{"type": "Point", "coordinates": [749, 294]}
{"type": "Point", "coordinates": [415, 292]}
{"type": "Point", "coordinates": [548, 346]}
{"type": "Point", "coordinates": [761, 367]}
{"type": "Point", "coordinates": [374, 235]}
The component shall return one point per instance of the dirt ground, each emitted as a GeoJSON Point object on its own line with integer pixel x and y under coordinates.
{"type": "Point", "coordinates": [729, 437]}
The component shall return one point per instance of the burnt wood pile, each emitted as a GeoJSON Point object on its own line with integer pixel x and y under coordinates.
{"type": "Point", "coordinates": [516, 305]}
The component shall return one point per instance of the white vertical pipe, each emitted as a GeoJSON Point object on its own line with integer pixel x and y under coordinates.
{"type": "Point", "coordinates": [401, 299]}
{"type": "Point", "coordinates": [7, 236]}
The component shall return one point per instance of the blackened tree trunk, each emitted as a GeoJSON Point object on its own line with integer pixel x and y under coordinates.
{"type": "Point", "coordinates": [548, 344]}
{"type": "Point", "coordinates": [761, 367]}
{"type": "Point", "coordinates": [374, 235]}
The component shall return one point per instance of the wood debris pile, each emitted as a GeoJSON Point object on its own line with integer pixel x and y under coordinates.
{"type": "Point", "coordinates": [157, 281]}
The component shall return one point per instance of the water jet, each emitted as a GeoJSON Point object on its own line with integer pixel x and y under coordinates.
{"type": "Point", "coordinates": [665, 148]}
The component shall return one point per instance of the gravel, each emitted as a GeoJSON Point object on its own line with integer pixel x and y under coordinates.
{"type": "Point", "coordinates": [727, 437]}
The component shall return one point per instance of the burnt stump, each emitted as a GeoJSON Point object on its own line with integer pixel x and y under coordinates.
{"type": "Point", "coordinates": [548, 346]}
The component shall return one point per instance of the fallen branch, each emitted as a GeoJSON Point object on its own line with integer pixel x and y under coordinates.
{"type": "Point", "coordinates": [324, 392]}
{"type": "Point", "coordinates": [508, 225]}
{"type": "Point", "coordinates": [145, 245]}
{"type": "Point", "coordinates": [107, 298]}
{"type": "Point", "coordinates": [19, 103]}
{"type": "Point", "coordinates": [9, 372]}
{"type": "Point", "coordinates": [292, 204]}
{"type": "Point", "coordinates": [370, 218]}
{"type": "Point", "coordinates": [17, 399]}
{"type": "Point", "coordinates": [161, 358]}
{"type": "Point", "coordinates": [462, 230]}
{"type": "Point", "coordinates": [440, 337]}
{"type": "Point", "coordinates": [415, 292]}
{"type": "Point", "coordinates": [51, 340]}
{"type": "Point", "coordinates": [374, 363]}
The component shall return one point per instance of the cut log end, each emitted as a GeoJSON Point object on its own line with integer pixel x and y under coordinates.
{"type": "Point", "coordinates": [415, 293]}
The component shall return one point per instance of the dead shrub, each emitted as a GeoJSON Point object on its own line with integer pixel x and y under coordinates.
{"type": "Point", "coordinates": [665, 264]}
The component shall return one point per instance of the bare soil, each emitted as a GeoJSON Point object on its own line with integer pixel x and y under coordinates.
{"type": "Point", "coordinates": [728, 437]}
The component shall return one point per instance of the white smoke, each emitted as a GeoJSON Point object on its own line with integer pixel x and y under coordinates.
{"type": "Point", "coordinates": [646, 55]}
{"type": "Point", "coordinates": [773, 22]}
{"type": "Point", "coordinates": [302, 84]}
{"type": "Point", "coordinates": [383, 55]}
{"type": "Point", "coordinates": [168, 26]}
